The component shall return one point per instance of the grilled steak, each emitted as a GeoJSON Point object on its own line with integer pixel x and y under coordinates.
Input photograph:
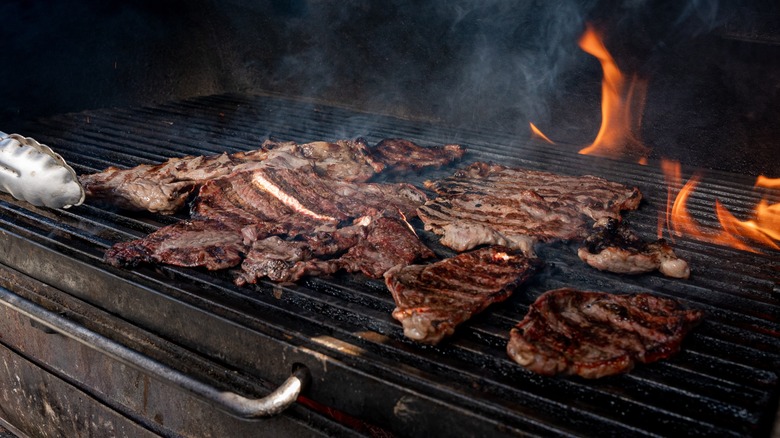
{"type": "Point", "coordinates": [404, 155]}
{"type": "Point", "coordinates": [614, 247]}
{"type": "Point", "coordinates": [493, 204]}
{"type": "Point", "coordinates": [232, 212]}
{"type": "Point", "coordinates": [371, 248]}
{"type": "Point", "coordinates": [207, 243]}
{"type": "Point", "coordinates": [165, 187]}
{"type": "Point", "coordinates": [431, 300]}
{"type": "Point", "coordinates": [390, 242]}
{"type": "Point", "coordinates": [596, 334]}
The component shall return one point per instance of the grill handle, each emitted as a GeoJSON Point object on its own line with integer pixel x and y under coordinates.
{"type": "Point", "coordinates": [274, 403]}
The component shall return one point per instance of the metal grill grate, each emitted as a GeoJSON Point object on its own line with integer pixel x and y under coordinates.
{"type": "Point", "coordinates": [723, 383]}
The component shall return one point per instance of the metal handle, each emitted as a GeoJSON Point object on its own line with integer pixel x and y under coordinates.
{"type": "Point", "coordinates": [235, 404]}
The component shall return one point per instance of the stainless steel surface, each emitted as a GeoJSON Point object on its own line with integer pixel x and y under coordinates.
{"type": "Point", "coordinates": [55, 385]}
{"type": "Point", "coordinates": [32, 172]}
{"type": "Point", "coordinates": [272, 404]}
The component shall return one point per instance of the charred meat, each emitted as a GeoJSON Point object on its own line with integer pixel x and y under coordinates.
{"type": "Point", "coordinates": [164, 188]}
{"type": "Point", "coordinates": [389, 242]}
{"type": "Point", "coordinates": [614, 247]}
{"type": "Point", "coordinates": [431, 300]}
{"type": "Point", "coordinates": [597, 334]}
{"type": "Point", "coordinates": [494, 204]}
{"type": "Point", "coordinates": [371, 248]}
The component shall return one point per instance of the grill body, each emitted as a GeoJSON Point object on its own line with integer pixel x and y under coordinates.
{"type": "Point", "coordinates": [724, 382]}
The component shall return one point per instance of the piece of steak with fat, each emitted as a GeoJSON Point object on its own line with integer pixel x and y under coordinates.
{"type": "Point", "coordinates": [431, 300]}
{"type": "Point", "coordinates": [493, 204]}
{"type": "Point", "coordinates": [597, 334]}
{"type": "Point", "coordinates": [614, 247]}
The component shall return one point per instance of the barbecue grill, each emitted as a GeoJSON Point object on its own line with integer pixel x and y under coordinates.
{"type": "Point", "coordinates": [147, 350]}
{"type": "Point", "coordinates": [92, 350]}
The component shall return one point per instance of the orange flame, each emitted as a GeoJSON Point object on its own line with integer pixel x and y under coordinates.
{"type": "Point", "coordinates": [537, 133]}
{"type": "Point", "coordinates": [763, 228]}
{"type": "Point", "coordinates": [770, 183]}
{"type": "Point", "coordinates": [673, 178]}
{"type": "Point", "coordinates": [621, 106]}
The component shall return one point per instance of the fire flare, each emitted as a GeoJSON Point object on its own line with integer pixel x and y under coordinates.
{"type": "Point", "coordinates": [762, 229]}
{"type": "Point", "coordinates": [537, 133]}
{"type": "Point", "coordinates": [622, 104]}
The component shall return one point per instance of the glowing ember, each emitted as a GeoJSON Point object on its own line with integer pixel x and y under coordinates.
{"type": "Point", "coordinates": [537, 133]}
{"type": "Point", "coordinates": [621, 106]}
{"type": "Point", "coordinates": [763, 228]}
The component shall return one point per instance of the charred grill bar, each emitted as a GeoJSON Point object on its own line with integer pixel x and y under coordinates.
{"type": "Point", "coordinates": [199, 327]}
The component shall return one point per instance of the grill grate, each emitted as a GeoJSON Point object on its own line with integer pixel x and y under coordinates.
{"type": "Point", "coordinates": [723, 383]}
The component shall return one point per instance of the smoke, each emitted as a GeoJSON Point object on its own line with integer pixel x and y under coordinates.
{"type": "Point", "coordinates": [467, 63]}
{"type": "Point", "coordinates": [475, 63]}
{"type": "Point", "coordinates": [478, 64]}
{"type": "Point", "coordinates": [512, 60]}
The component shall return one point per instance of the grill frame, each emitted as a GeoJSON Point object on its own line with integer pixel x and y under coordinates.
{"type": "Point", "coordinates": [341, 327]}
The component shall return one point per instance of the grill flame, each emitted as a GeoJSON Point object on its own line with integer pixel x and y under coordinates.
{"type": "Point", "coordinates": [762, 229]}
{"type": "Point", "coordinates": [622, 105]}
{"type": "Point", "coordinates": [538, 134]}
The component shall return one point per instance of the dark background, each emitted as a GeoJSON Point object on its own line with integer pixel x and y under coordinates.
{"type": "Point", "coordinates": [713, 68]}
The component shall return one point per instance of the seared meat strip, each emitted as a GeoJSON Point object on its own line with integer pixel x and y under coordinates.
{"type": "Point", "coordinates": [493, 204]}
{"type": "Point", "coordinates": [247, 206]}
{"type": "Point", "coordinates": [614, 247]}
{"type": "Point", "coordinates": [431, 300]}
{"type": "Point", "coordinates": [164, 188]}
{"type": "Point", "coordinates": [202, 242]}
{"type": "Point", "coordinates": [597, 334]}
{"type": "Point", "coordinates": [371, 248]}
{"type": "Point", "coordinates": [276, 259]}
{"type": "Point", "coordinates": [390, 242]}
{"type": "Point", "coordinates": [404, 155]}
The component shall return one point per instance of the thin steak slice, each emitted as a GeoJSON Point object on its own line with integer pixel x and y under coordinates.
{"type": "Point", "coordinates": [494, 204]}
{"type": "Point", "coordinates": [597, 334]}
{"type": "Point", "coordinates": [614, 247]}
{"type": "Point", "coordinates": [202, 242]}
{"type": "Point", "coordinates": [371, 248]}
{"type": "Point", "coordinates": [404, 155]}
{"type": "Point", "coordinates": [431, 300]}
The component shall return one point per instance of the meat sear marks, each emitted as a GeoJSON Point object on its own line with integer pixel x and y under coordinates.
{"type": "Point", "coordinates": [597, 334]}
{"type": "Point", "coordinates": [431, 300]}
{"type": "Point", "coordinates": [499, 205]}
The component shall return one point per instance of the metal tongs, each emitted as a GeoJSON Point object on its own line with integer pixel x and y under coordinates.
{"type": "Point", "coordinates": [32, 172]}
